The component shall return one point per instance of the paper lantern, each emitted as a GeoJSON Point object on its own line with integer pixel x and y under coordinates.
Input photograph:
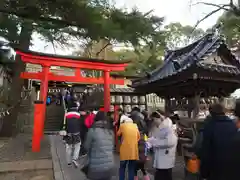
{"type": "Point", "coordinates": [112, 100]}
{"type": "Point", "coordinates": [127, 99]}
{"type": "Point", "coordinates": [119, 99]}
{"type": "Point", "coordinates": [127, 108]}
{"type": "Point", "coordinates": [142, 107]}
{"type": "Point", "coordinates": [135, 99]}
{"type": "Point", "coordinates": [142, 99]}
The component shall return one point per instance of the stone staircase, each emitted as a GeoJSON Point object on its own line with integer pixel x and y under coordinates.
{"type": "Point", "coordinates": [54, 117]}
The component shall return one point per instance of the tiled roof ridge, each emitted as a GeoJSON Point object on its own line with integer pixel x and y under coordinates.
{"type": "Point", "coordinates": [203, 48]}
{"type": "Point", "coordinates": [172, 53]}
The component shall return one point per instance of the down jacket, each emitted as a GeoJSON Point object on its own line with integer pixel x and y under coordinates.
{"type": "Point", "coordinates": [99, 144]}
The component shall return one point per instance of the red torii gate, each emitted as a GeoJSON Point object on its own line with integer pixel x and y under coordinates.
{"type": "Point", "coordinates": [48, 60]}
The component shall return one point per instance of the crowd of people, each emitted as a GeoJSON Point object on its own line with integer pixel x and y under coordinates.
{"type": "Point", "coordinates": [140, 135]}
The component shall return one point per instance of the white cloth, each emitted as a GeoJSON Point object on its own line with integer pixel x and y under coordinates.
{"type": "Point", "coordinates": [167, 122]}
{"type": "Point", "coordinates": [95, 112]}
{"type": "Point", "coordinates": [125, 118]}
{"type": "Point", "coordinates": [164, 143]}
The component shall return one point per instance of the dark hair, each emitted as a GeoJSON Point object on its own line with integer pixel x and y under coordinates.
{"type": "Point", "coordinates": [145, 113]}
{"type": "Point", "coordinates": [155, 114]}
{"type": "Point", "coordinates": [237, 108]}
{"type": "Point", "coordinates": [72, 106]}
{"type": "Point", "coordinates": [136, 109]}
{"type": "Point", "coordinates": [216, 109]}
{"type": "Point", "coordinates": [109, 113]}
{"type": "Point", "coordinates": [101, 116]}
{"type": "Point", "coordinates": [161, 112]}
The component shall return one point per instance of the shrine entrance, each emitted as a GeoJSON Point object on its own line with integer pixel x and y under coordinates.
{"type": "Point", "coordinates": [48, 60]}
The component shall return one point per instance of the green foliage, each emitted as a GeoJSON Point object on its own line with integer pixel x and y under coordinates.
{"type": "Point", "coordinates": [231, 28]}
{"type": "Point", "coordinates": [178, 35]}
{"type": "Point", "coordinates": [58, 21]}
{"type": "Point", "coordinates": [143, 60]}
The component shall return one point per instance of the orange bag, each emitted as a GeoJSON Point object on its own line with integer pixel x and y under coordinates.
{"type": "Point", "coordinates": [193, 165]}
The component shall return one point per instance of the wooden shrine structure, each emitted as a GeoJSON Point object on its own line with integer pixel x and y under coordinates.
{"type": "Point", "coordinates": [77, 63]}
{"type": "Point", "coordinates": [205, 68]}
{"type": "Point", "coordinates": [124, 98]}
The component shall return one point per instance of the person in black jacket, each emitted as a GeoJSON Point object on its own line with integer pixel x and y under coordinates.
{"type": "Point", "coordinates": [218, 134]}
{"type": "Point", "coordinates": [138, 118]}
{"type": "Point", "coordinates": [234, 155]}
{"type": "Point", "coordinates": [83, 130]}
{"type": "Point", "coordinates": [73, 138]}
{"type": "Point", "coordinates": [148, 121]}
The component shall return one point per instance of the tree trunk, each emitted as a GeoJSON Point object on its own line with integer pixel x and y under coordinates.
{"type": "Point", "coordinates": [10, 122]}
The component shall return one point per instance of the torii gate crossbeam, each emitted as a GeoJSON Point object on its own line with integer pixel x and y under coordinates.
{"type": "Point", "coordinates": [48, 60]}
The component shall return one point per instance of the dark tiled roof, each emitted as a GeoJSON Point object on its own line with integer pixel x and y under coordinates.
{"type": "Point", "coordinates": [179, 60]}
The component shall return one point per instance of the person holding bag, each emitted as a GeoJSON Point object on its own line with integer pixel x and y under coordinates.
{"type": "Point", "coordinates": [164, 143]}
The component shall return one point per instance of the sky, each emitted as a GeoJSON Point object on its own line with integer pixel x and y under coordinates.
{"type": "Point", "coordinates": [184, 11]}
{"type": "Point", "coordinates": [187, 12]}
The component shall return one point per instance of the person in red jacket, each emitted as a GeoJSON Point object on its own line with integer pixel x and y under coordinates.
{"type": "Point", "coordinates": [90, 119]}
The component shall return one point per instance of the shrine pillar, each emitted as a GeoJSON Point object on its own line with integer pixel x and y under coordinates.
{"type": "Point", "coordinates": [106, 90]}
{"type": "Point", "coordinates": [43, 93]}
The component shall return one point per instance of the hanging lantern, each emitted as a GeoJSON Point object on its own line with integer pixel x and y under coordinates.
{"type": "Point", "coordinates": [112, 99]}
{"type": "Point", "coordinates": [142, 107]}
{"type": "Point", "coordinates": [119, 99]}
{"type": "Point", "coordinates": [142, 99]}
{"type": "Point", "coordinates": [127, 108]}
{"type": "Point", "coordinates": [135, 99]}
{"type": "Point", "coordinates": [127, 99]}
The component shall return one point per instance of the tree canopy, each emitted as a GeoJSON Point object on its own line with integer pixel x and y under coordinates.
{"type": "Point", "coordinates": [94, 19]}
{"type": "Point", "coordinates": [149, 57]}
{"type": "Point", "coordinates": [230, 26]}
{"type": "Point", "coordinates": [178, 36]}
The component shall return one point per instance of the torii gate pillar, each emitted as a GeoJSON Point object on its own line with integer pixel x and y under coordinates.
{"type": "Point", "coordinates": [106, 91]}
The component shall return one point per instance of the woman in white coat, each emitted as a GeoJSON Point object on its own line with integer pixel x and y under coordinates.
{"type": "Point", "coordinates": [164, 142]}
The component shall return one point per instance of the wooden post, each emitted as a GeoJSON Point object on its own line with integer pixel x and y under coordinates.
{"type": "Point", "coordinates": [106, 90]}
{"type": "Point", "coordinates": [167, 104]}
{"type": "Point", "coordinates": [196, 105]}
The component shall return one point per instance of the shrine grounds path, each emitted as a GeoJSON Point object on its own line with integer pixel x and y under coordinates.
{"type": "Point", "coordinates": [63, 172]}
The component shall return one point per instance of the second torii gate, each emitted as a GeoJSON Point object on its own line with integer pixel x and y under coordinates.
{"type": "Point", "coordinates": [48, 60]}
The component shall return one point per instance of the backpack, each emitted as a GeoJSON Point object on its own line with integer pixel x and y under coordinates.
{"type": "Point", "coordinates": [89, 120]}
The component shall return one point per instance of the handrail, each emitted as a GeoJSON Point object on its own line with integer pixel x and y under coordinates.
{"type": "Point", "coordinates": [65, 110]}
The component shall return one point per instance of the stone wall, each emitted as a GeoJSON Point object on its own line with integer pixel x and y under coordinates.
{"type": "Point", "coordinates": [26, 113]}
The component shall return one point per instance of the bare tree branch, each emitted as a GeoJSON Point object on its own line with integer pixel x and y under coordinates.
{"type": "Point", "coordinates": [223, 6]}
{"type": "Point", "coordinates": [106, 45]}
{"type": "Point", "coordinates": [205, 17]}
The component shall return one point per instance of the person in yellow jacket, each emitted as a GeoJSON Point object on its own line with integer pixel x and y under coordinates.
{"type": "Point", "coordinates": [129, 147]}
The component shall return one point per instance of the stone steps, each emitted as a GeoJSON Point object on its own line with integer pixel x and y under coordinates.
{"type": "Point", "coordinates": [54, 117]}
